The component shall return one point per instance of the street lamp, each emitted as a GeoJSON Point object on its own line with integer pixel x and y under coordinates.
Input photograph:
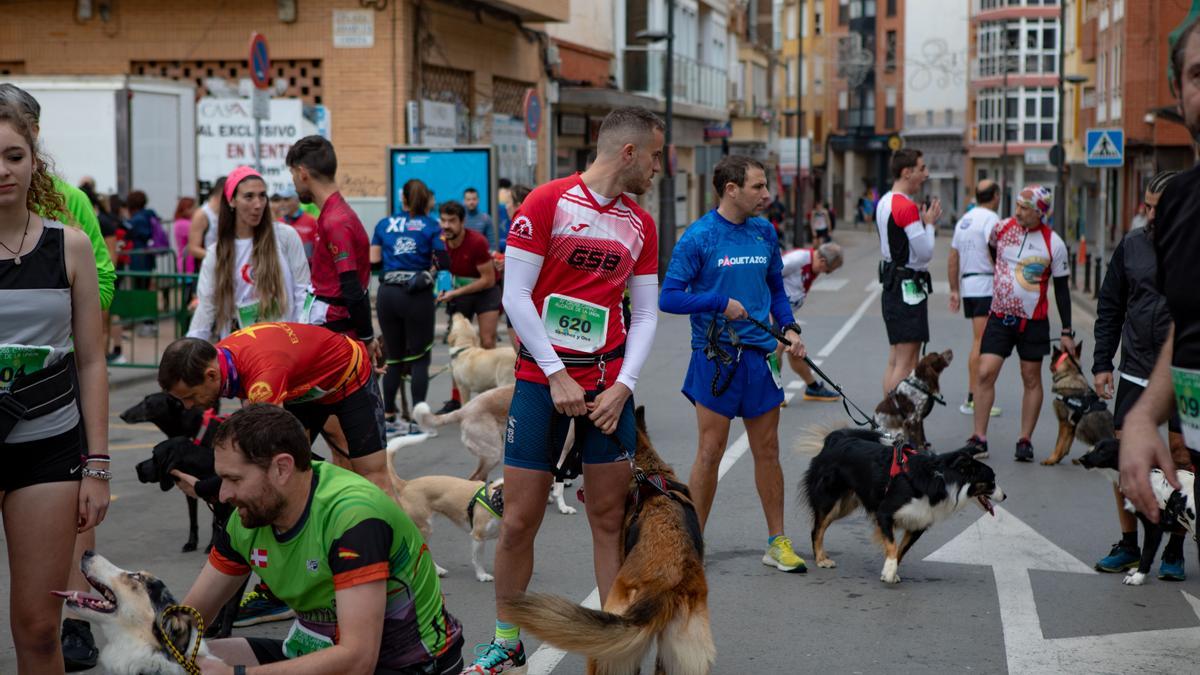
{"type": "Point", "coordinates": [666, 216]}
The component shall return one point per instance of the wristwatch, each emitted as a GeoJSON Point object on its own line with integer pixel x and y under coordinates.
{"type": "Point", "coordinates": [239, 670]}
{"type": "Point", "coordinates": [793, 326]}
{"type": "Point", "coordinates": [1067, 332]}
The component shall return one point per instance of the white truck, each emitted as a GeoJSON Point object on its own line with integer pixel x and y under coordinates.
{"type": "Point", "coordinates": [128, 132]}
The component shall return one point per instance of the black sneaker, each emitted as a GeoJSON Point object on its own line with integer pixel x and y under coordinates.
{"type": "Point", "coordinates": [1024, 450]}
{"type": "Point", "coordinates": [449, 407]}
{"type": "Point", "coordinates": [980, 447]}
{"type": "Point", "coordinates": [78, 645]}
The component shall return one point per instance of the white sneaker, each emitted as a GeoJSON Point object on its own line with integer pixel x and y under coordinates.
{"type": "Point", "coordinates": [967, 408]}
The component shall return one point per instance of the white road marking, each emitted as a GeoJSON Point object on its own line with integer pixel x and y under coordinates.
{"type": "Point", "coordinates": [546, 658]}
{"type": "Point", "coordinates": [830, 284]}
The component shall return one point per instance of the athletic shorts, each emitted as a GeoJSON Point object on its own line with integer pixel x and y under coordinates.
{"type": "Point", "coordinates": [267, 650]}
{"type": "Point", "coordinates": [47, 460]}
{"type": "Point", "coordinates": [1127, 394]}
{"type": "Point", "coordinates": [975, 307]}
{"type": "Point", "coordinates": [474, 304]}
{"type": "Point", "coordinates": [536, 432]}
{"type": "Point", "coordinates": [360, 414]}
{"type": "Point", "coordinates": [406, 321]}
{"type": "Point", "coordinates": [999, 338]}
{"type": "Point", "coordinates": [904, 322]}
{"type": "Point", "coordinates": [752, 390]}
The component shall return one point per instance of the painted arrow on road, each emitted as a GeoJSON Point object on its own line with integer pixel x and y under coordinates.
{"type": "Point", "coordinates": [1012, 548]}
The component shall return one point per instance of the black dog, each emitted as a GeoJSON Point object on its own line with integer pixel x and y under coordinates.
{"type": "Point", "coordinates": [181, 426]}
{"type": "Point", "coordinates": [899, 487]}
{"type": "Point", "coordinates": [1105, 458]}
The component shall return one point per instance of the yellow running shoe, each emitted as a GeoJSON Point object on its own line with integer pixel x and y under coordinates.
{"type": "Point", "coordinates": [781, 556]}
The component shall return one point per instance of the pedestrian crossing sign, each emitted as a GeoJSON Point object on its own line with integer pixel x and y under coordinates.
{"type": "Point", "coordinates": [1105, 147]}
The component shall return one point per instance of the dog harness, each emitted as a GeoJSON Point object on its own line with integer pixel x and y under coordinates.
{"type": "Point", "coordinates": [931, 397]}
{"type": "Point", "coordinates": [1082, 404]}
{"type": "Point", "coordinates": [652, 486]}
{"type": "Point", "coordinates": [493, 504]}
{"type": "Point", "coordinates": [900, 454]}
{"type": "Point", "coordinates": [209, 417]}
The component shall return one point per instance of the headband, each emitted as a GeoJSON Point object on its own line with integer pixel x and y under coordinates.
{"type": "Point", "coordinates": [237, 176]}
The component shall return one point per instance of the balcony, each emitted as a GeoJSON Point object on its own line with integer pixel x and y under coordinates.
{"type": "Point", "coordinates": [694, 82]}
{"type": "Point", "coordinates": [534, 10]}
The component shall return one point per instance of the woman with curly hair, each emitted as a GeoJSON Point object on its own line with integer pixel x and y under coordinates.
{"type": "Point", "coordinates": [49, 314]}
{"type": "Point", "coordinates": [256, 271]}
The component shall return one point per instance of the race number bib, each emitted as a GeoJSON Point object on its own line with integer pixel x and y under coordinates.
{"type": "Point", "coordinates": [247, 315]}
{"type": "Point", "coordinates": [575, 324]}
{"type": "Point", "coordinates": [911, 292]}
{"type": "Point", "coordinates": [19, 360]}
{"type": "Point", "coordinates": [301, 641]}
{"type": "Point", "coordinates": [776, 374]}
{"type": "Point", "coordinates": [1187, 401]}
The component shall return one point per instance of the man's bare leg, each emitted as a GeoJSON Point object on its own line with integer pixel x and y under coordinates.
{"type": "Point", "coordinates": [714, 436]}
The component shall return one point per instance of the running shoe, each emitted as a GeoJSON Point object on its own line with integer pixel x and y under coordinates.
{"type": "Point", "coordinates": [115, 358]}
{"type": "Point", "coordinates": [781, 556]}
{"type": "Point", "coordinates": [449, 407]}
{"type": "Point", "coordinates": [401, 427]}
{"type": "Point", "coordinates": [78, 645]}
{"type": "Point", "coordinates": [261, 606]}
{"type": "Point", "coordinates": [1171, 570]}
{"type": "Point", "coordinates": [817, 391]}
{"type": "Point", "coordinates": [979, 445]}
{"type": "Point", "coordinates": [968, 408]}
{"type": "Point", "coordinates": [1122, 557]}
{"type": "Point", "coordinates": [1024, 451]}
{"type": "Point", "coordinates": [495, 658]}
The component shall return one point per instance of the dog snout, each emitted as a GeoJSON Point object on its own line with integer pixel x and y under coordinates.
{"type": "Point", "coordinates": [997, 495]}
{"type": "Point", "coordinates": [147, 471]}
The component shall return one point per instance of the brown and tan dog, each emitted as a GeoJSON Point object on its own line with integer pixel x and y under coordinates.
{"type": "Point", "coordinates": [901, 414]}
{"type": "Point", "coordinates": [474, 368]}
{"type": "Point", "coordinates": [660, 591]}
{"type": "Point", "coordinates": [1081, 414]}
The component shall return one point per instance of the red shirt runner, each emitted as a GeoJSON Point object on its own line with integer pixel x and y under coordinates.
{"type": "Point", "coordinates": [472, 252]}
{"type": "Point", "coordinates": [306, 227]}
{"type": "Point", "coordinates": [341, 245]}
{"type": "Point", "coordinates": [294, 363]}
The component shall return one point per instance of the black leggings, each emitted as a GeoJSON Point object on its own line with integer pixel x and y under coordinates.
{"type": "Point", "coordinates": [406, 320]}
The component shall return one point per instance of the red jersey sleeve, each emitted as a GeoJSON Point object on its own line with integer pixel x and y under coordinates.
{"type": "Point", "coordinates": [533, 223]}
{"type": "Point", "coordinates": [904, 212]}
{"type": "Point", "coordinates": [647, 262]}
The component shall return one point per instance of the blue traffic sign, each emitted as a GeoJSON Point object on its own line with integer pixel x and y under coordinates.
{"type": "Point", "coordinates": [260, 62]}
{"type": "Point", "coordinates": [1105, 147]}
{"type": "Point", "coordinates": [533, 113]}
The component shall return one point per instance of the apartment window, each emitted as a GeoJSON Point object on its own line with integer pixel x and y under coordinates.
{"type": "Point", "coordinates": [843, 109]}
{"type": "Point", "coordinates": [843, 14]}
{"type": "Point", "coordinates": [1115, 81]}
{"type": "Point", "coordinates": [1023, 115]}
{"type": "Point", "coordinates": [891, 7]}
{"type": "Point", "coordinates": [819, 17]}
{"type": "Point", "coordinates": [889, 58]}
{"type": "Point", "coordinates": [818, 77]}
{"type": "Point", "coordinates": [889, 111]}
{"type": "Point", "coordinates": [791, 77]}
{"type": "Point", "coordinates": [1018, 46]}
{"type": "Point", "coordinates": [777, 25]}
{"type": "Point", "coordinates": [1102, 75]}
{"type": "Point", "coordinates": [790, 21]}
{"type": "Point", "coordinates": [761, 97]}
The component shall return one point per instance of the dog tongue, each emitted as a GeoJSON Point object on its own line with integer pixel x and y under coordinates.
{"type": "Point", "coordinates": [78, 596]}
{"type": "Point", "coordinates": [987, 505]}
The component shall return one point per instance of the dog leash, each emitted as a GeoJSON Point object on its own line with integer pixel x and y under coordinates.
{"type": "Point", "coordinates": [846, 402]}
{"type": "Point", "coordinates": [188, 663]}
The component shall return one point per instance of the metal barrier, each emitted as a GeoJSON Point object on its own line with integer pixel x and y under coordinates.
{"type": "Point", "coordinates": [151, 303]}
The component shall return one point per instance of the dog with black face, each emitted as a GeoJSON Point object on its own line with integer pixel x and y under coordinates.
{"type": "Point", "coordinates": [1082, 415]}
{"type": "Point", "coordinates": [899, 488]}
{"type": "Point", "coordinates": [901, 414]}
{"type": "Point", "coordinates": [127, 607]}
{"type": "Point", "coordinates": [1178, 508]}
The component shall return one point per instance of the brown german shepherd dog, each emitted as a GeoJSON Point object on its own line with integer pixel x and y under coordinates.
{"type": "Point", "coordinates": [660, 591]}
{"type": "Point", "coordinates": [1082, 414]}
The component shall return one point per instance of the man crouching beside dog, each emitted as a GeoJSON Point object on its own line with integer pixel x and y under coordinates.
{"type": "Point", "coordinates": [332, 546]}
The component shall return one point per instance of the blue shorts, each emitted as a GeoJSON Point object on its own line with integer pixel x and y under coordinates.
{"type": "Point", "coordinates": [536, 432]}
{"type": "Point", "coordinates": [752, 391]}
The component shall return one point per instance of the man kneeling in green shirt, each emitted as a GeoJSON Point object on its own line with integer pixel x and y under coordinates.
{"type": "Point", "coordinates": [332, 546]}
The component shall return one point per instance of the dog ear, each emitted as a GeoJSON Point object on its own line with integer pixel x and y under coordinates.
{"type": "Point", "coordinates": [639, 414]}
{"type": "Point", "coordinates": [177, 628]}
{"type": "Point", "coordinates": [1078, 349]}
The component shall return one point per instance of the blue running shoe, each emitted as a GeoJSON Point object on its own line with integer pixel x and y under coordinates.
{"type": "Point", "coordinates": [1119, 559]}
{"type": "Point", "coordinates": [1171, 570]}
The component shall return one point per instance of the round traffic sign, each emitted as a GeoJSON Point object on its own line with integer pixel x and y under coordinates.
{"type": "Point", "coordinates": [533, 113]}
{"type": "Point", "coordinates": [894, 142]}
{"type": "Point", "coordinates": [260, 62]}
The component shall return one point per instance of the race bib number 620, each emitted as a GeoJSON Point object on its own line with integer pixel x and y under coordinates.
{"type": "Point", "coordinates": [575, 324]}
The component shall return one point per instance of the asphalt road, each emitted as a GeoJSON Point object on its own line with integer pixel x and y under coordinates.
{"type": "Point", "coordinates": [979, 594]}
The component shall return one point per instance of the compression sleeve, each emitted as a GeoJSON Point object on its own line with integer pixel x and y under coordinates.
{"type": "Point", "coordinates": [358, 303]}
{"type": "Point", "coordinates": [675, 299]}
{"type": "Point", "coordinates": [781, 309]}
{"type": "Point", "coordinates": [642, 325]}
{"type": "Point", "coordinates": [1062, 298]}
{"type": "Point", "coordinates": [520, 276]}
{"type": "Point", "coordinates": [920, 243]}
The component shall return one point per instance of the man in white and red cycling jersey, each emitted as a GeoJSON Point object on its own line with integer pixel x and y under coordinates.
{"type": "Point", "coordinates": [1028, 255]}
{"type": "Point", "coordinates": [574, 246]}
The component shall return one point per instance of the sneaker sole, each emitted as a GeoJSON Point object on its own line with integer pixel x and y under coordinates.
{"type": "Point", "coordinates": [829, 399]}
{"type": "Point", "coordinates": [1023, 459]}
{"type": "Point", "coordinates": [771, 562]}
{"type": "Point", "coordinates": [266, 618]}
{"type": "Point", "coordinates": [1115, 570]}
{"type": "Point", "coordinates": [1172, 577]}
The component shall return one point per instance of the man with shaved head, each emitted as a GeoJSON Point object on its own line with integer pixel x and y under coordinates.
{"type": "Point", "coordinates": [971, 271]}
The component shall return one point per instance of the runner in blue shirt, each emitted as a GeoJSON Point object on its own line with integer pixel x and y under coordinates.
{"type": "Point", "coordinates": [405, 248]}
{"type": "Point", "coordinates": [726, 267]}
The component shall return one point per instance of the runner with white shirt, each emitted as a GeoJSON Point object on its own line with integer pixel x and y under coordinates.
{"type": "Point", "coordinates": [574, 246]}
{"type": "Point", "coordinates": [801, 267]}
{"type": "Point", "coordinates": [906, 242]}
{"type": "Point", "coordinates": [971, 272]}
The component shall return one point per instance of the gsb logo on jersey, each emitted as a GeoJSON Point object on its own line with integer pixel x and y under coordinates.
{"type": "Point", "coordinates": [592, 259]}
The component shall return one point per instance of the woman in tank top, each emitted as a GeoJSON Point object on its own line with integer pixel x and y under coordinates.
{"type": "Point", "coordinates": [49, 314]}
{"type": "Point", "coordinates": [256, 271]}
{"type": "Point", "coordinates": [203, 231]}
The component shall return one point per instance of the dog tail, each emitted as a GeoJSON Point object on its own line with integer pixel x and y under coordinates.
{"type": "Point", "coordinates": [600, 635]}
{"type": "Point", "coordinates": [424, 417]}
{"type": "Point", "coordinates": [812, 440]}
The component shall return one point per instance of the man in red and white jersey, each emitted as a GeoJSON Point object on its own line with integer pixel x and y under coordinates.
{"type": "Point", "coordinates": [801, 267]}
{"type": "Point", "coordinates": [574, 246]}
{"type": "Point", "coordinates": [906, 242]}
{"type": "Point", "coordinates": [1028, 255]}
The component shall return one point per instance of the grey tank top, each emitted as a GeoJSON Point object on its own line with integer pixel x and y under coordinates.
{"type": "Point", "coordinates": [35, 310]}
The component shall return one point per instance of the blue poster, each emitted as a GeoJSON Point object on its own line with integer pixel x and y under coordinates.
{"type": "Point", "coordinates": [447, 171]}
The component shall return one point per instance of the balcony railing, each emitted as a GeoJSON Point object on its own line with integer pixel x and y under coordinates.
{"type": "Point", "coordinates": [693, 82]}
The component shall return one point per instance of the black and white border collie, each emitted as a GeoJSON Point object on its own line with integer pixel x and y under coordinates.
{"type": "Point", "coordinates": [853, 469]}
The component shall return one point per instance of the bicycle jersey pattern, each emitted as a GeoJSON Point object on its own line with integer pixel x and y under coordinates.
{"type": "Point", "coordinates": [351, 534]}
{"type": "Point", "coordinates": [898, 220]}
{"type": "Point", "coordinates": [1025, 262]}
{"type": "Point", "coordinates": [798, 275]}
{"type": "Point", "coordinates": [295, 363]}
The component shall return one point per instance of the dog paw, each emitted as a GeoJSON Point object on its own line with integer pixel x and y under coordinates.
{"type": "Point", "coordinates": [1075, 462]}
{"type": "Point", "coordinates": [890, 575]}
{"type": "Point", "coordinates": [1049, 462]}
{"type": "Point", "coordinates": [566, 510]}
{"type": "Point", "coordinates": [484, 577]}
{"type": "Point", "coordinates": [441, 571]}
{"type": "Point", "coordinates": [893, 578]}
{"type": "Point", "coordinates": [188, 547]}
{"type": "Point", "coordinates": [827, 563]}
{"type": "Point", "coordinates": [1134, 579]}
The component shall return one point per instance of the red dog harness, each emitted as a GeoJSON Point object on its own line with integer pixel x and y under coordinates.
{"type": "Point", "coordinates": [210, 416]}
{"type": "Point", "coordinates": [900, 455]}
